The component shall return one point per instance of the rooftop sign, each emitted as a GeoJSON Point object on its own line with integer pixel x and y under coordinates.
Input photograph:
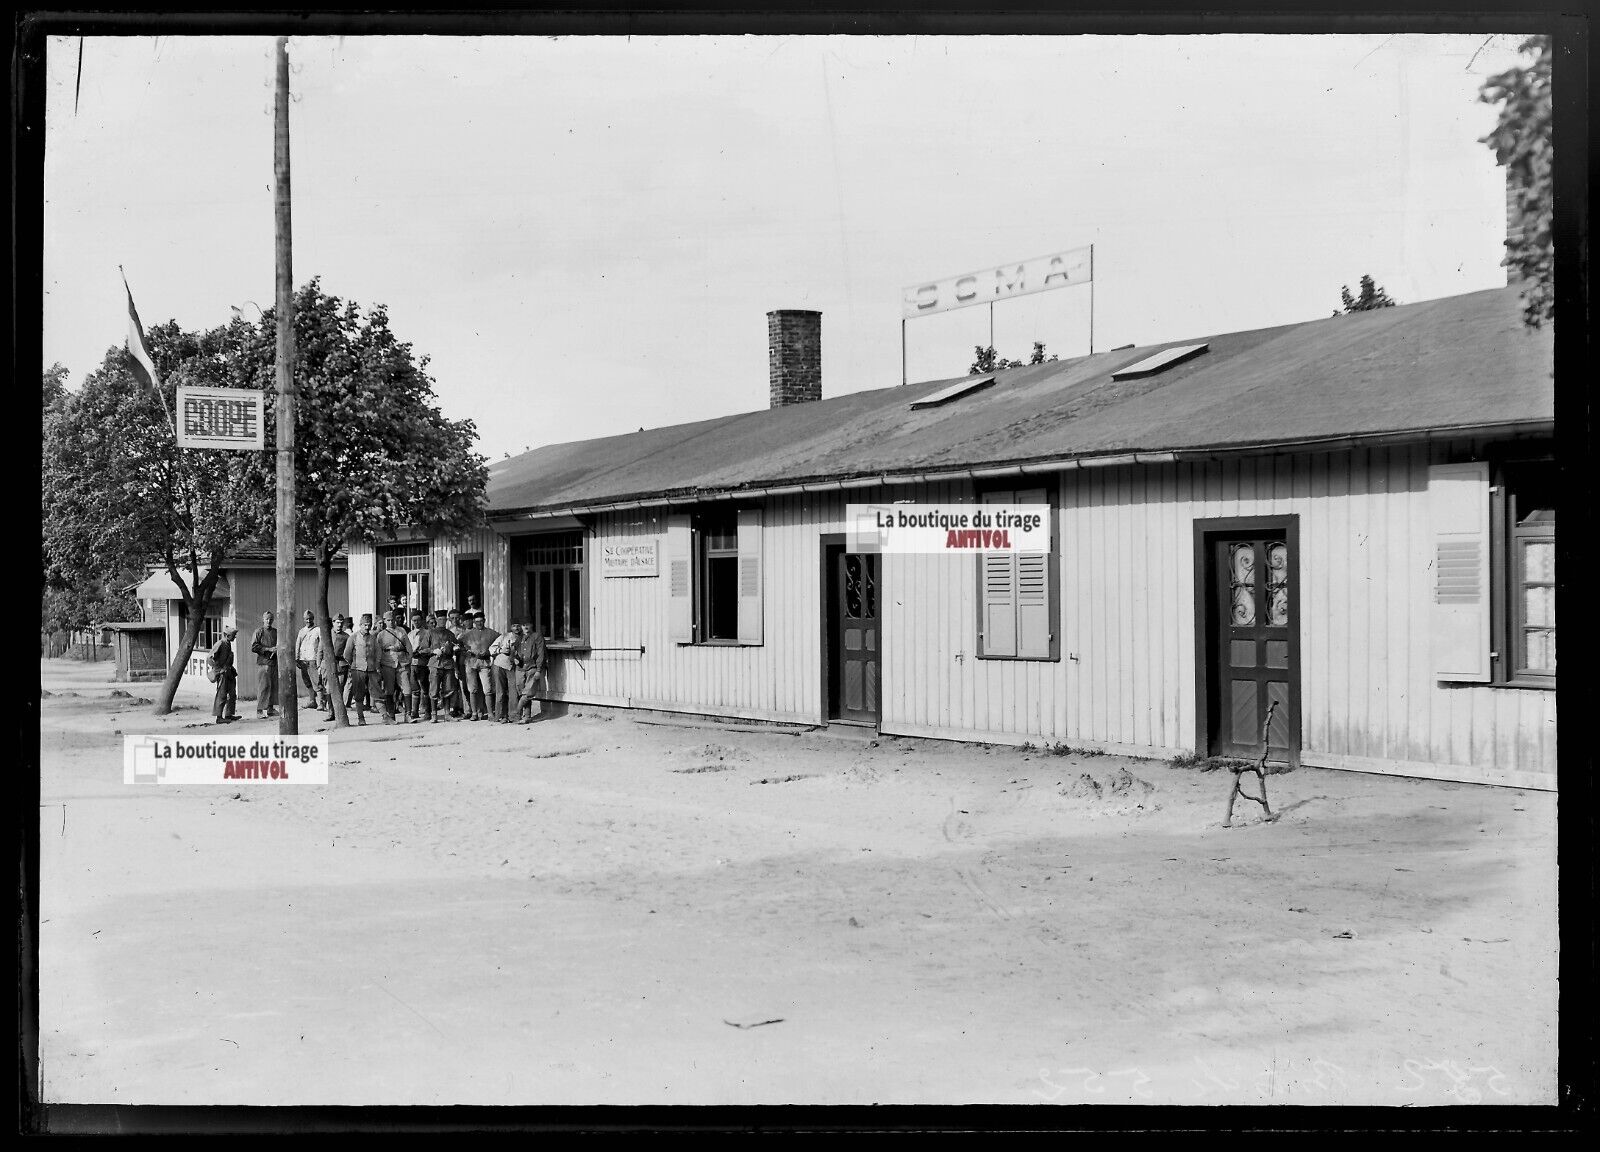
{"type": "Point", "coordinates": [1056, 270]}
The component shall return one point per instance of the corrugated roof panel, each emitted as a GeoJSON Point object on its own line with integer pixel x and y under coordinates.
{"type": "Point", "coordinates": [1166, 358]}
{"type": "Point", "coordinates": [951, 392]}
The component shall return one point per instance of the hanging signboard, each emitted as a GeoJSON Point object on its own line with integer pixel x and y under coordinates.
{"type": "Point", "coordinates": [222, 418]}
{"type": "Point", "coordinates": [1056, 270]}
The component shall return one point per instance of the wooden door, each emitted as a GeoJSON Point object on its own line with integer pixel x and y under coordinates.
{"type": "Point", "coordinates": [1253, 647]}
{"type": "Point", "coordinates": [856, 637]}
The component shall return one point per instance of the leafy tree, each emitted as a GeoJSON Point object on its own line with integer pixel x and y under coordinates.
{"type": "Point", "coordinates": [373, 453]}
{"type": "Point", "coordinates": [55, 386]}
{"type": "Point", "coordinates": [986, 359]}
{"type": "Point", "coordinates": [94, 601]}
{"type": "Point", "coordinates": [1371, 297]}
{"type": "Point", "coordinates": [118, 491]}
{"type": "Point", "coordinates": [1522, 144]}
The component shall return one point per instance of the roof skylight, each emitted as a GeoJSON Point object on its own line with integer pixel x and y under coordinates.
{"type": "Point", "coordinates": [953, 391]}
{"type": "Point", "coordinates": [1152, 364]}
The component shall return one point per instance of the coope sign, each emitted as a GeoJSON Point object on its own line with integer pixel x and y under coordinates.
{"type": "Point", "coordinates": [221, 418]}
{"type": "Point", "coordinates": [1057, 270]}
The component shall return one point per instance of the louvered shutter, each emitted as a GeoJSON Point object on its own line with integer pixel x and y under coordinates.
{"type": "Point", "coordinates": [680, 586]}
{"type": "Point", "coordinates": [1458, 513]}
{"type": "Point", "coordinates": [1033, 590]}
{"type": "Point", "coordinates": [999, 604]}
{"type": "Point", "coordinates": [751, 576]}
{"type": "Point", "coordinates": [997, 585]}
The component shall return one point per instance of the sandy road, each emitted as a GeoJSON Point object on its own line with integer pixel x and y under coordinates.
{"type": "Point", "coordinates": [599, 909]}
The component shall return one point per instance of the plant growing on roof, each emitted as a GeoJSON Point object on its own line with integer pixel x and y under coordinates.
{"type": "Point", "coordinates": [1522, 144]}
{"type": "Point", "coordinates": [117, 490]}
{"type": "Point", "coordinates": [373, 453]}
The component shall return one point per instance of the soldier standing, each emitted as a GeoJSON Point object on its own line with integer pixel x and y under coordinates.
{"type": "Point", "coordinates": [394, 666]}
{"type": "Point", "coordinates": [265, 645]}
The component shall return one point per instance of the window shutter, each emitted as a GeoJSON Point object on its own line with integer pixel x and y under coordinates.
{"type": "Point", "coordinates": [1458, 512]}
{"type": "Point", "coordinates": [751, 576]}
{"type": "Point", "coordinates": [1033, 604]}
{"type": "Point", "coordinates": [1033, 590]}
{"type": "Point", "coordinates": [680, 598]}
{"type": "Point", "coordinates": [999, 604]}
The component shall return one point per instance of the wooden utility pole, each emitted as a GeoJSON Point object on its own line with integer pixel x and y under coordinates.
{"type": "Point", "coordinates": [289, 716]}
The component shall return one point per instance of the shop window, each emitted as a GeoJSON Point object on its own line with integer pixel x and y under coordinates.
{"type": "Point", "coordinates": [555, 569]}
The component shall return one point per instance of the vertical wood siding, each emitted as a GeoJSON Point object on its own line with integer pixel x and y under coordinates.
{"type": "Point", "coordinates": [255, 590]}
{"type": "Point", "coordinates": [1127, 676]}
{"type": "Point", "coordinates": [779, 679]}
{"type": "Point", "coordinates": [494, 548]}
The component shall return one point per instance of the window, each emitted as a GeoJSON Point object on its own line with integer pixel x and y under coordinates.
{"type": "Point", "coordinates": [1523, 520]}
{"type": "Point", "coordinates": [210, 629]}
{"type": "Point", "coordinates": [717, 535]}
{"type": "Point", "coordinates": [1017, 590]}
{"type": "Point", "coordinates": [1493, 571]}
{"type": "Point", "coordinates": [715, 577]}
{"type": "Point", "coordinates": [404, 584]}
{"type": "Point", "coordinates": [554, 566]}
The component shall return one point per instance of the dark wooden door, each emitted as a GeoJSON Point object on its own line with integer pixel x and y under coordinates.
{"type": "Point", "coordinates": [856, 638]}
{"type": "Point", "coordinates": [1253, 646]}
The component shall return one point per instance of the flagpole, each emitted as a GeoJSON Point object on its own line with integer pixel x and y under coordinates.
{"type": "Point", "coordinates": [289, 717]}
{"type": "Point", "coordinates": [137, 326]}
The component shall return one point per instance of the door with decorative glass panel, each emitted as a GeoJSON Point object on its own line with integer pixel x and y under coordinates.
{"type": "Point", "coordinates": [1253, 643]}
{"type": "Point", "coordinates": [857, 636]}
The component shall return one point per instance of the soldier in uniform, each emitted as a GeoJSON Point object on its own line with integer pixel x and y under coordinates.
{"type": "Point", "coordinates": [221, 658]}
{"type": "Point", "coordinates": [480, 677]}
{"type": "Point", "coordinates": [419, 698]}
{"type": "Point", "coordinates": [458, 629]}
{"type": "Point", "coordinates": [366, 680]}
{"type": "Point", "coordinates": [341, 665]}
{"type": "Point", "coordinates": [443, 665]}
{"type": "Point", "coordinates": [531, 657]}
{"type": "Point", "coordinates": [265, 646]}
{"type": "Point", "coordinates": [394, 666]}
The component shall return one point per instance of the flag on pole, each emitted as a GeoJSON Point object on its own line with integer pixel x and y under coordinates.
{"type": "Point", "coordinates": [144, 366]}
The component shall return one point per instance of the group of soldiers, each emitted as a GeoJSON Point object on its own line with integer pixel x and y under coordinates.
{"type": "Point", "coordinates": [450, 666]}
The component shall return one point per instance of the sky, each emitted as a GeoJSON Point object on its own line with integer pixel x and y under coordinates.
{"type": "Point", "coordinates": [584, 234]}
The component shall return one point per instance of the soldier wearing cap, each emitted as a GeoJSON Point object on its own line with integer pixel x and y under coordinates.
{"type": "Point", "coordinates": [418, 698]}
{"type": "Point", "coordinates": [366, 681]}
{"type": "Point", "coordinates": [443, 664]}
{"type": "Point", "coordinates": [480, 675]}
{"type": "Point", "coordinates": [394, 665]}
{"type": "Point", "coordinates": [341, 665]}
{"type": "Point", "coordinates": [224, 709]}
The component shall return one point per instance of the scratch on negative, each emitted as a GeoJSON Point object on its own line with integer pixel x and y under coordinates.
{"type": "Point", "coordinates": [409, 1008]}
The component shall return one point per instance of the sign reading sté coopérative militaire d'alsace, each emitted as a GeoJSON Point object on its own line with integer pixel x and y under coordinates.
{"type": "Point", "coordinates": [221, 418]}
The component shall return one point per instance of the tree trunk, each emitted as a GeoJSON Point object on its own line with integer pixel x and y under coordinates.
{"type": "Point", "coordinates": [330, 674]}
{"type": "Point", "coordinates": [196, 604]}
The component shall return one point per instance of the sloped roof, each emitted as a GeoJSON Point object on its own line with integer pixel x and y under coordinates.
{"type": "Point", "coordinates": [1458, 362]}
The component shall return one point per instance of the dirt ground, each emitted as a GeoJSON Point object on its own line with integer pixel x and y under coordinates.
{"type": "Point", "coordinates": [624, 908]}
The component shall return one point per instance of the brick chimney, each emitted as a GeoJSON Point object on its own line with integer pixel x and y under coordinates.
{"type": "Point", "coordinates": [794, 356]}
